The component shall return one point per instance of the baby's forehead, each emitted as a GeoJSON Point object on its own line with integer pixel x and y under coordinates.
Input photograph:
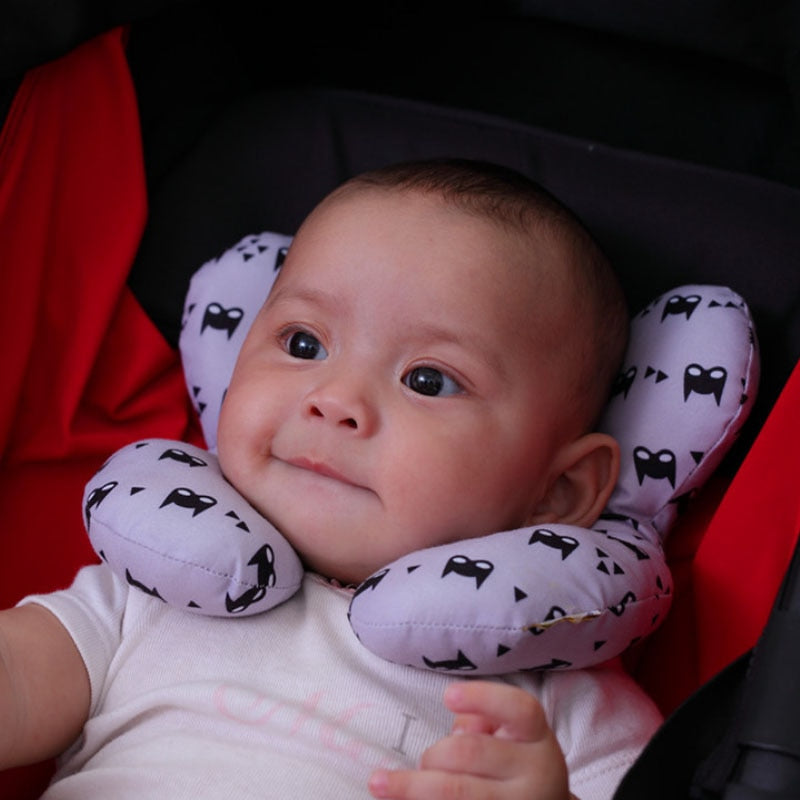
{"type": "Point", "coordinates": [538, 259]}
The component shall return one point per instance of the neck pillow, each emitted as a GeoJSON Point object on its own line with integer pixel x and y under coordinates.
{"type": "Point", "coordinates": [163, 517]}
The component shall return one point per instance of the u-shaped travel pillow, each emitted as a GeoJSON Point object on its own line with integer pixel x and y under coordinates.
{"type": "Point", "coordinates": [162, 516]}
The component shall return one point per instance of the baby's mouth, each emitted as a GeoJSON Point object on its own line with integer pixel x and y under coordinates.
{"type": "Point", "coordinates": [320, 468]}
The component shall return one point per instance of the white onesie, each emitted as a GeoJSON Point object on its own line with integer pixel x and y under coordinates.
{"type": "Point", "coordinates": [287, 704]}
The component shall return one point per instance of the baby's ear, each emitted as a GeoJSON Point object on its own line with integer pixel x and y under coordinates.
{"type": "Point", "coordinates": [586, 472]}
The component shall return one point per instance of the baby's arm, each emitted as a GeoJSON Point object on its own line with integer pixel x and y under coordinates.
{"type": "Point", "coordinates": [501, 746]}
{"type": "Point", "coordinates": [44, 686]}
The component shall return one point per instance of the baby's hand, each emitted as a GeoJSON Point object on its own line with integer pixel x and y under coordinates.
{"type": "Point", "coordinates": [500, 747]}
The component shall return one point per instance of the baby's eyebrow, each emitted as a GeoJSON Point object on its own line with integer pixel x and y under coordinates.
{"type": "Point", "coordinates": [307, 294]}
{"type": "Point", "coordinates": [430, 332]}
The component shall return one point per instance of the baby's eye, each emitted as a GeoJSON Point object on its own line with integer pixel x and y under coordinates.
{"type": "Point", "coordinates": [430, 382]}
{"type": "Point", "coordinates": [302, 344]}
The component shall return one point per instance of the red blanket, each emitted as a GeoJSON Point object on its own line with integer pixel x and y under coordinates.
{"type": "Point", "coordinates": [729, 559]}
{"type": "Point", "coordinates": [85, 372]}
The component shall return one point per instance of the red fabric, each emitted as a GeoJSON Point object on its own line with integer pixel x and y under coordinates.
{"type": "Point", "coordinates": [748, 545]}
{"type": "Point", "coordinates": [725, 590]}
{"type": "Point", "coordinates": [84, 370]}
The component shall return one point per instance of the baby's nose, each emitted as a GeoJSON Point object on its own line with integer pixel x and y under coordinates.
{"type": "Point", "coordinates": [344, 406]}
{"type": "Point", "coordinates": [316, 410]}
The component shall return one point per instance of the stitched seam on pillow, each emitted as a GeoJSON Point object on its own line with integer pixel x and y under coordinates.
{"type": "Point", "coordinates": [590, 616]}
{"type": "Point", "coordinates": [438, 625]}
{"type": "Point", "coordinates": [192, 564]}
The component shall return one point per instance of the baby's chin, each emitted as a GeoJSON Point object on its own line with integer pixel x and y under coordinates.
{"type": "Point", "coordinates": [329, 540]}
{"type": "Point", "coordinates": [328, 560]}
{"type": "Point", "coordinates": [337, 570]}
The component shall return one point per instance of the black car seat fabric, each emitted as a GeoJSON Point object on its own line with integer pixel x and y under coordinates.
{"type": "Point", "coordinates": [272, 155]}
{"type": "Point", "coordinates": [706, 81]}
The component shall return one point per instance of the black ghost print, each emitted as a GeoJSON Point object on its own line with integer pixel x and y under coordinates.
{"type": "Point", "coordinates": [657, 466]}
{"type": "Point", "coordinates": [467, 568]}
{"type": "Point", "coordinates": [96, 497]}
{"type": "Point", "coordinates": [219, 318]}
{"type": "Point", "coordinates": [566, 544]}
{"type": "Point", "coordinates": [677, 305]}
{"type": "Point", "coordinates": [699, 380]}
{"type": "Point", "coordinates": [187, 498]}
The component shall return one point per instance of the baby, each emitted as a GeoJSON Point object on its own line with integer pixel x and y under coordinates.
{"type": "Point", "coordinates": [428, 367]}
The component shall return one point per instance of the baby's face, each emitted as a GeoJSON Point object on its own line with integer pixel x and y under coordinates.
{"type": "Point", "coordinates": [393, 392]}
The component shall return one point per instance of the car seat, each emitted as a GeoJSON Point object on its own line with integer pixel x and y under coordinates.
{"type": "Point", "coordinates": [94, 229]}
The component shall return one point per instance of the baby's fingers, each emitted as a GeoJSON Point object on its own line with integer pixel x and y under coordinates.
{"type": "Point", "coordinates": [547, 782]}
{"type": "Point", "coordinates": [483, 756]}
{"type": "Point", "coordinates": [506, 711]}
{"type": "Point", "coordinates": [429, 784]}
{"type": "Point", "coordinates": [501, 747]}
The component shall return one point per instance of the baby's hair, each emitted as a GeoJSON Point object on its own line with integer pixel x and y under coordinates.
{"type": "Point", "coordinates": [519, 204]}
{"type": "Point", "coordinates": [480, 187]}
